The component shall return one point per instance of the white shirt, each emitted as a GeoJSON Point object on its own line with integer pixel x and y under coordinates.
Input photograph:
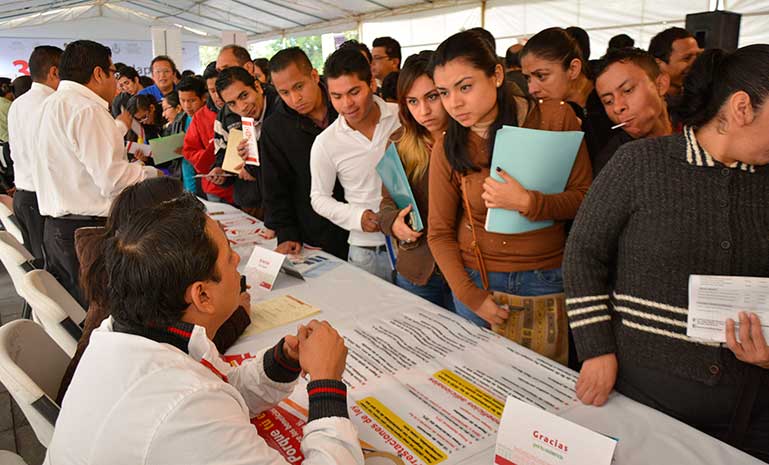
{"type": "Point", "coordinates": [82, 163]}
{"type": "Point", "coordinates": [342, 152]}
{"type": "Point", "coordinates": [134, 401]}
{"type": "Point", "coordinates": [24, 132]}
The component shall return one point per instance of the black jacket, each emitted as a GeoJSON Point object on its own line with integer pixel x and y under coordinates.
{"type": "Point", "coordinates": [247, 194]}
{"type": "Point", "coordinates": [287, 138]}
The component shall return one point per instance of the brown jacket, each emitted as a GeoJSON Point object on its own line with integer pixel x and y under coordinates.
{"type": "Point", "coordinates": [450, 236]}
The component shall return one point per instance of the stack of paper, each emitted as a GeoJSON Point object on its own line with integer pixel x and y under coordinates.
{"type": "Point", "coordinates": [165, 149]}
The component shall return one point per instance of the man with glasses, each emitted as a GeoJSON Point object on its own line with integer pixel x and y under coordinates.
{"type": "Point", "coordinates": [163, 73]}
{"type": "Point", "coordinates": [81, 162]}
{"type": "Point", "coordinates": [385, 58]}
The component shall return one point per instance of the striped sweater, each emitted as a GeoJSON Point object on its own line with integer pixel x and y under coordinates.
{"type": "Point", "coordinates": [661, 210]}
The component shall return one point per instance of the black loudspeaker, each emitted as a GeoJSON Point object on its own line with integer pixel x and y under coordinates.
{"type": "Point", "coordinates": [715, 29]}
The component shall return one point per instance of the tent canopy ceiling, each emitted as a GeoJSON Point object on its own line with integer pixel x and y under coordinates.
{"type": "Point", "coordinates": [206, 19]}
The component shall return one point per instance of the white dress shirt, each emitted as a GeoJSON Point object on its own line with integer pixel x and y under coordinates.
{"type": "Point", "coordinates": [82, 163]}
{"type": "Point", "coordinates": [340, 151]}
{"type": "Point", "coordinates": [23, 133]}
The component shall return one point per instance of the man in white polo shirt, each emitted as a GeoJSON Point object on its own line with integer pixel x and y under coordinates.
{"type": "Point", "coordinates": [82, 163]}
{"type": "Point", "coordinates": [349, 149]}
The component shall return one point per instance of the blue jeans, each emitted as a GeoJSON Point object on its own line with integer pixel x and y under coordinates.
{"type": "Point", "coordinates": [436, 290]}
{"type": "Point", "coordinates": [524, 283]}
{"type": "Point", "coordinates": [376, 262]}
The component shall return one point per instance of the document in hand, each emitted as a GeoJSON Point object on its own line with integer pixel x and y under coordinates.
{"type": "Point", "coordinates": [713, 299]}
{"type": "Point", "coordinates": [232, 160]}
{"type": "Point", "coordinates": [529, 435]}
{"type": "Point", "coordinates": [249, 133]}
{"type": "Point", "coordinates": [540, 161]}
{"type": "Point", "coordinates": [390, 169]}
{"type": "Point", "coordinates": [165, 149]}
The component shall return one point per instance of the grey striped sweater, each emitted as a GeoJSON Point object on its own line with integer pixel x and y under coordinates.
{"type": "Point", "coordinates": [662, 209]}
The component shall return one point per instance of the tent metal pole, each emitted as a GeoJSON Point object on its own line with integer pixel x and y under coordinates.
{"type": "Point", "coordinates": [483, 13]}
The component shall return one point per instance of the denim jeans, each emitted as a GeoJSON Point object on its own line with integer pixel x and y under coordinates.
{"type": "Point", "coordinates": [436, 290]}
{"type": "Point", "coordinates": [215, 198]}
{"type": "Point", "coordinates": [375, 262]}
{"type": "Point", "coordinates": [524, 283]}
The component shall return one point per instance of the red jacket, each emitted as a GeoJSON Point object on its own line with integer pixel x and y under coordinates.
{"type": "Point", "coordinates": [198, 149]}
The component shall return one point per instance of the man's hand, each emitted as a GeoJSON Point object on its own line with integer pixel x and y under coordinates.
{"type": "Point", "coordinates": [216, 176]}
{"type": "Point", "coordinates": [508, 195]}
{"type": "Point", "coordinates": [492, 313]}
{"type": "Point", "coordinates": [267, 233]}
{"type": "Point", "coordinates": [178, 151]}
{"type": "Point", "coordinates": [369, 222]}
{"type": "Point", "coordinates": [245, 301]}
{"type": "Point", "coordinates": [596, 379]}
{"type": "Point", "coordinates": [752, 347]}
{"type": "Point", "coordinates": [291, 348]}
{"type": "Point", "coordinates": [401, 230]}
{"type": "Point", "coordinates": [245, 175]}
{"type": "Point", "coordinates": [289, 248]}
{"type": "Point", "coordinates": [322, 352]}
{"type": "Point", "coordinates": [139, 155]}
{"type": "Point", "coordinates": [243, 149]}
{"type": "Point", "coordinates": [125, 118]}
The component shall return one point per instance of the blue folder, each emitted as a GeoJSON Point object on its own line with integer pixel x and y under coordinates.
{"type": "Point", "coordinates": [390, 169]}
{"type": "Point", "coordinates": [540, 161]}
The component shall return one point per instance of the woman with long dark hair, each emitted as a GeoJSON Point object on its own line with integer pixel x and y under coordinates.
{"type": "Point", "coordinates": [470, 81]}
{"type": "Point", "coordinates": [423, 120]}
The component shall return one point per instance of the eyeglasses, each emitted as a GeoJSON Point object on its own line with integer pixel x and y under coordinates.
{"type": "Point", "coordinates": [144, 119]}
{"type": "Point", "coordinates": [380, 58]}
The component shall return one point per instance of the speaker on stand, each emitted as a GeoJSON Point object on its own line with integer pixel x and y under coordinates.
{"type": "Point", "coordinates": [715, 29]}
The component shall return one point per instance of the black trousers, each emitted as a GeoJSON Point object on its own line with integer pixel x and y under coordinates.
{"type": "Point", "coordinates": [30, 222]}
{"type": "Point", "coordinates": [60, 256]}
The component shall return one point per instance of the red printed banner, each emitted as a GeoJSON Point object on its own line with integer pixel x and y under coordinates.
{"type": "Point", "coordinates": [282, 431]}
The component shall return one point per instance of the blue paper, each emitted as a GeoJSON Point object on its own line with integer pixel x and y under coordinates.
{"type": "Point", "coordinates": [390, 169]}
{"type": "Point", "coordinates": [540, 161]}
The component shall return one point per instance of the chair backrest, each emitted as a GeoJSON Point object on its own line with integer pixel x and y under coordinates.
{"type": "Point", "coordinates": [8, 219]}
{"type": "Point", "coordinates": [59, 313]}
{"type": "Point", "coordinates": [31, 368]}
{"type": "Point", "coordinates": [16, 259]}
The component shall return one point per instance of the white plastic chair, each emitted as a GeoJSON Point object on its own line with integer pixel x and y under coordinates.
{"type": "Point", "coordinates": [18, 261]}
{"type": "Point", "coordinates": [31, 368]}
{"type": "Point", "coordinates": [9, 222]}
{"type": "Point", "coordinates": [58, 312]}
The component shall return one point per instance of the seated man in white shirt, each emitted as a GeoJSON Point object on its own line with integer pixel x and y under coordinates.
{"type": "Point", "coordinates": [349, 149]}
{"type": "Point", "coordinates": [151, 387]}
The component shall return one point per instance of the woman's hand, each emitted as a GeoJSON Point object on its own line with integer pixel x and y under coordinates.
{"type": "Point", "coordinates": [752, 347]}
{"type": "Point", "coordinates": [508, 195]}
{"type": "Point", "coordinates": [401, 230]}
{"type": "Point", "coordinates": [492, 313]}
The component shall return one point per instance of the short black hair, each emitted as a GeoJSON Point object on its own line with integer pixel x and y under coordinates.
{"type": "Point", "coordinates": [172, 99]}
{"type": "Point", "coordinates": [228, 76]}
{"type": "Point", "coordinates": [583, 39]}
{"type": "Point", "coordinates": [152, 260]}
{"type": "Point", "coordinates": [42, 59]}
{"type": "Point", "coordinates": [210, 71]}
{"type": "Point", "coordinates": [140, 102]}
{"type": "Point", "coordinates": [21, 85]}
{"type": "Point", "coordinates": [638, 57]}
{"type": "Point", "coordinates": [264, 65]}
{"type": "Point", "coordinates": [192, 84]}
{"type": "Point", "coordinates": [621, 41]}
{"type": "Point", "coordinates": [389, 88]}
{"type": "Point", "coordinates": [241, 53]}
{"type": "Point", "coordinates": [146, 81]}
{"type": "Point", "coordinates": [81, 58]}
{"type": "Point", "coordinates": [360, 47]}
{"type": "Point", "coordinates": [345, 61]}
{"type": "Point", "coordinates": [392, 47]}
{"type": "Point", "coordinates": [512, 58]}
{"type": "Point", "coordinates": [188, 72]}
{"type": "Point", "coordinates": [285, 57]}
{"type": "Point", "coordinates": [661, 45]}
{"type": "Point", "coordinates": [127, 72]}
{"type": "Point", "coordinates": [165, 58]}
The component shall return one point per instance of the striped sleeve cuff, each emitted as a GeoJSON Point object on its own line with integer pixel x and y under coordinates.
{"type": "Point", "coordinates": [328, 398]}
{"type": "Point", "coordinates": [277, 367]}
{"type": "Point", "coordinates": [590, 323]}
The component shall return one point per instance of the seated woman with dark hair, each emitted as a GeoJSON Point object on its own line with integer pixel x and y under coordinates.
{"type": "Point", "coordinates": [89, 244]}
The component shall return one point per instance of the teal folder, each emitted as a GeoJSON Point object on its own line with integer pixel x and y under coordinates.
{"type": "Point", "coordinates": [540, 161]}
{"type": "Point", "coordinates": [390, 169]}
{"type": "Point", "coordinates": [164, 148]}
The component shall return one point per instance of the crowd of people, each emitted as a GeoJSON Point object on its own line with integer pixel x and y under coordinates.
{"type": "Point", "coordinates": [670, 180]}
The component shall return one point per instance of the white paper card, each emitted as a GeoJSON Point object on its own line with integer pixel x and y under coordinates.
{"type": "Point", "coordinates": [263, 267]}
{"type": "Point", "coordinates": [249, 134]}
{"type": "Point", "coordinates": [529, 435]}
{"type": "Point", "coordinates": [133, 147]}
{"type": "Point", "coordinates": [713, 299]}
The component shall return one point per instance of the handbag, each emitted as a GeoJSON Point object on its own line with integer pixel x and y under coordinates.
{"type": "Point", "coordinates": [536, 322]}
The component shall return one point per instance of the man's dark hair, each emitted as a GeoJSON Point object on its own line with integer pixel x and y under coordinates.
{"type": "Point", "coordinates": [128, 72]}
{"type": "Point", "coordinates": [188, 72]}
{"type": "Point", "coordinates": [210, 71]}
{"type": "Point", "coordinates": [346, 61]}
{"type": "Point", "coordinates": [285, 57]}
{"type": "Point", "coordinates": [165, 58]}
{"type": "Point", "coordinates": [580, 35]}
{"type": "Point", "coordinates": [389, 88]}
{"type": "Point", "coordinates": [228, 76]}
{"type": "Point", "coordinates": [240, 53]}
{"type": "Point", "coordinates": [21, 85]}
{"type": "Point", "coordinates": [661, 45]}
{"type": "Point", "coordinates": [638, 57]}
{"type": "Point", "coordinates": [620, 41]}
{"type": "Point", "coordinates": [152, 260]}
{"type": "Point", "coordinates": [392, 47]}
{"type": "Point", "coordinates": [360, 47]}
{"type": "Point", "coordinates": [80, 58]}
{"type": "Point", "coordinates": [140, 102]}
{"type": "Point", "coordinates": [6, 87]}
{"type": "Point", "coordinates": [192, 84]}
{"type": "Point", "coordinates": [512, 58]}
{"type": "Point", "coordinates": [146, 81]}
{"type": "Point", "coordinates": [42, 59]}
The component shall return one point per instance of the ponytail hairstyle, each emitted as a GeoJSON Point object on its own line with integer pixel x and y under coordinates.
{"type": "Point", "coordinates": [716, 75]}
{"type": "Point", "coordinates": [415, 140]}
{"type": "Point", "coordinates": [557, 45]}
{"type": "Point", "coordinates": [475, 50]}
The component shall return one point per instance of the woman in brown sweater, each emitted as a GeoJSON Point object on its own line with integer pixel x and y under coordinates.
{"type": "Point", "coordinates": [423, 119]}
{"type": "Point", "coordinates": [471, 83]}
